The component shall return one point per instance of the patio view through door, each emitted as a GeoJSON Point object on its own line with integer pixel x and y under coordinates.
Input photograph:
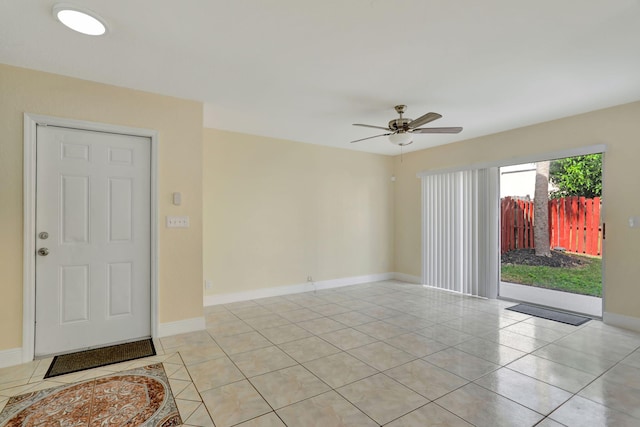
{"type": "Point", "coordinates": [570, 278]}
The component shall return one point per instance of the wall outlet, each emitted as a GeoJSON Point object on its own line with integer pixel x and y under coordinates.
{"type": "Point", "coordinates": [208, 284]}
{"type": "Point", "coordinates": [309, 279]}
{"type": "Point", "coordinates": [177, 222]}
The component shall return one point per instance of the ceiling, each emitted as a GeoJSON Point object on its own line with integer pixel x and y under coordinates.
{"type": "Point", "coordinates": [306, 71]}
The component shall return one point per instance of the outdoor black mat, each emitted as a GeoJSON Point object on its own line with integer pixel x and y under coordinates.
{"type": "Point", "coordinates": [88, 359]}
{"type": "Point", "coordinates": [545, 313]}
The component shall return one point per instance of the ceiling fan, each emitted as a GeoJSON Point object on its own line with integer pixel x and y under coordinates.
{"type": "Point", "coordinates": [400, 130]}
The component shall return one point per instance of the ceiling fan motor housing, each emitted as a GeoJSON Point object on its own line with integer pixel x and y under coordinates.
{"type": "Point", "coordinates": [399, 124]}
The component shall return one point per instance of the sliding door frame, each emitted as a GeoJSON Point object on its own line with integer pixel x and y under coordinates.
{"type": "Point", "coordinates": [493, 220]}
{"type": "Point", "coordinates": [550, 299]}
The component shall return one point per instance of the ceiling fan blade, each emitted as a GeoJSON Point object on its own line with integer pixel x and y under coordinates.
{"type": "Point", "coordinates": [370, 126]}
{"type": "Point", "coordinates": [437, 130]}
{"type": "Point", "coordinates": [376, 136]}
{"type": "Point", "coordinates": [422, 120]}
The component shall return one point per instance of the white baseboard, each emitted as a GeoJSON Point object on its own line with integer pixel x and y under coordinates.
{"type": "Point", "coordinates": [621, 321]}
{"type": "Point", "coordinates": [355, 280]}
{"type": "Point", "coordinates": [584, 304]}
{"type": "Point", "coordinates": [181, 327]}
{"type": "Point", "coordinates": [294, 289]}
{"type": "Point", "coordinates": [407, 278]}
{"type": "Point", "coordinates": [11, 357]}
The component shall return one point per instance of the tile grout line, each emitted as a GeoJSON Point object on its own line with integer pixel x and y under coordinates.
{"type": "Point", "coordinates": [302, 365]}
{"type": "Point", "coordinates": [297, 364]}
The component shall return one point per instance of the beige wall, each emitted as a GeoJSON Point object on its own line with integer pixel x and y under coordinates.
{"type": "Point", "coordinates": [277, 211]}
{"type": "Point", "coordinates": [179, 124]}
{"type": "Point", "coordinates": [617, 127]}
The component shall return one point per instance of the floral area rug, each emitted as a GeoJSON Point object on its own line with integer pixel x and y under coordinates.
{"type": "Point", "coordinates": [138, 397]}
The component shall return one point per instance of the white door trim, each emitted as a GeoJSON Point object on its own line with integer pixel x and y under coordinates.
{"type": "Point", "coordinates": [29, 204]}
{"type": "Point", "coordinates": [532, 158]}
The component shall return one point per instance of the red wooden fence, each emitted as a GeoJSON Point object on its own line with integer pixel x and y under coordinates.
{"type": "Point", "coordinates": [574, 224]}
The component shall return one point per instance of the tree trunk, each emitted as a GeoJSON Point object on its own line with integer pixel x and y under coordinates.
{"type": "Point", "coordinates": [541, 210]}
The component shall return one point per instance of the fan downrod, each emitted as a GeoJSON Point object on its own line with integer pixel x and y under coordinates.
{"type": "Point", "coordinates": [399, 124]}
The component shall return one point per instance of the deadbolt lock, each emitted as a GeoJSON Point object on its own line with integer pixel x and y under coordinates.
{"type": "Point", "coordinates": [43, 235]}
{"type": "Point", "coordinates": [43, 251]}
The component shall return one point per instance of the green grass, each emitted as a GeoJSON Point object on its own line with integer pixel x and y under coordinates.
{"type": "Point", "coordinates": [585, 280]}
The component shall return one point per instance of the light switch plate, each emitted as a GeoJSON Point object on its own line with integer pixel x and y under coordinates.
{"type": "Point", "coordinates": [177, 222]}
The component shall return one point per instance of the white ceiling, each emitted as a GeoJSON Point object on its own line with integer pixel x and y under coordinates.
{"type": "Point", "coordinates": [306, 71]}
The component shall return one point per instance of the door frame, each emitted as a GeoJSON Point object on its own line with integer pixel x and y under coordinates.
{"type": "Point", "coordinates": [31, 121]}
{"type": "Point", "coordinates": [529, 158]}
{"type": "Point", "coordinates": [547, 297]}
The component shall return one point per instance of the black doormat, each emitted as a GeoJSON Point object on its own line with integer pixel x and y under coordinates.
{"type": "Point", "coordinates": [545, 313]}
{"type": "Point", "coordinates": [88, 359]}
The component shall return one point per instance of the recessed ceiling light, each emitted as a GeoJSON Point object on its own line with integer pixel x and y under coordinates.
{"type": "Point", "coordinates": [80, 20]}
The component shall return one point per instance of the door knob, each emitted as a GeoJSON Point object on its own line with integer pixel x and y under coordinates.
{"type": "Point", "coordinates": [43, 251]}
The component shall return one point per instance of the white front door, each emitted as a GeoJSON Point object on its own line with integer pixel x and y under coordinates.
{"type": "Point", "coordinates": [93, 239]}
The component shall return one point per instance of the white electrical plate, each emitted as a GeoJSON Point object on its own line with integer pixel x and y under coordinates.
{"type": "Point", "coordinates": [177, 222]}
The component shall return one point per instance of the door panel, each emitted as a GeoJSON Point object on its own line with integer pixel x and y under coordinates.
{"type": "Point", "coordinates": [119, 283]}
{"type": "Point", "coordinates": [74, 209]}
{"type": "Point", "coordinates": [74, 293]}
{"type": "Point", "coordinates": [120, 209]}
{"type": "Point", "coordinates": [93, 199]}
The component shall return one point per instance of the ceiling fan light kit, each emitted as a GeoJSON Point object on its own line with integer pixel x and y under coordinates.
{"type": "Point", "coordinates": [401, 138]}
{"type": "Point", "coordinates": [401, 130]}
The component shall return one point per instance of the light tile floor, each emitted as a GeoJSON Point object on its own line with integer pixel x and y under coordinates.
{"type": "Point", "coordinates": [386, 353]}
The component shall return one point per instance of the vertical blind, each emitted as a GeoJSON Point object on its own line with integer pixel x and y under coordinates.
{"type": "Point", "coordinates": [460, 231]}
